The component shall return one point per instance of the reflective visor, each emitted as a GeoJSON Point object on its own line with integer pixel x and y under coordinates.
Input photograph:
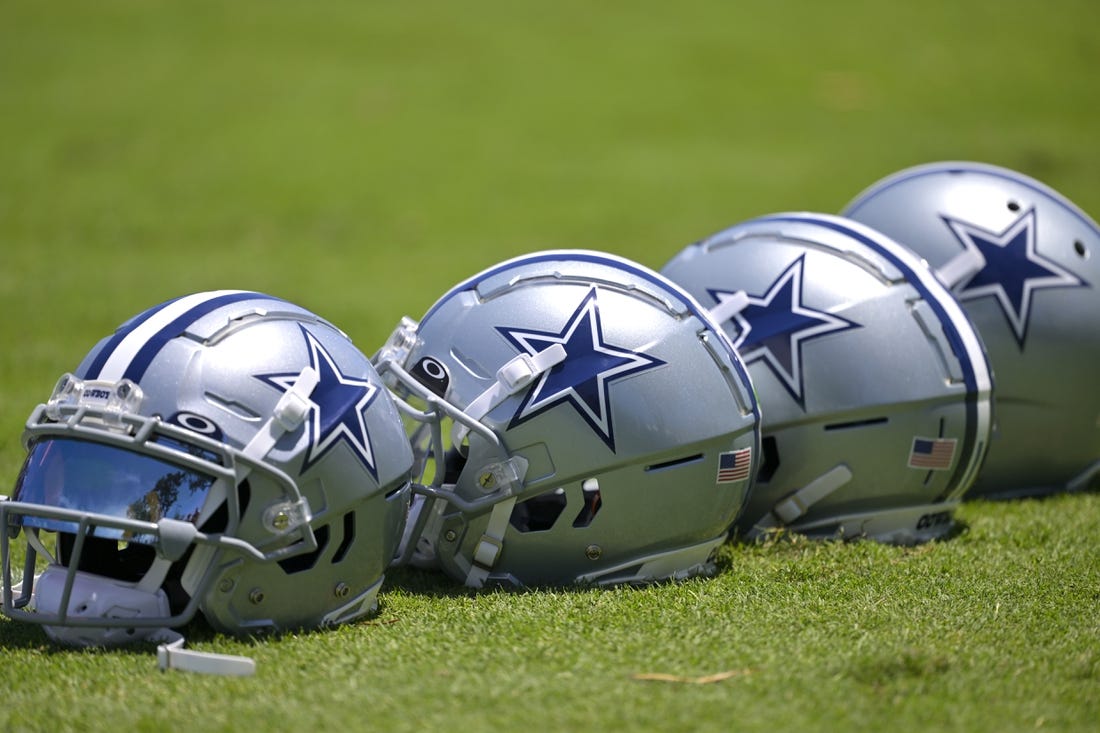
{"type": "Point", "coordinates": [92, 478]}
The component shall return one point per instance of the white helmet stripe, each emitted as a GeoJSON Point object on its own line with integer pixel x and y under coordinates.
{"type": "Point", "coordinates": [132, 354]}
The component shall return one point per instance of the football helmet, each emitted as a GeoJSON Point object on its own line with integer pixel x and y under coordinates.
{"type": "Point", "coordinates": [874, 387]}
{"type": "Point", "coordinates": [584, 421]}
{"type": "Point", "coordinates": [1025, 264]}
{"type": "Point", "coordinates": [226, 452]}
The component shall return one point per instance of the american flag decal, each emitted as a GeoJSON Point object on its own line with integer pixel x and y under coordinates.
{"type": "Point", "coordinates": [933, 453]}
{"type": "Point", "coordinates": [734, 465]}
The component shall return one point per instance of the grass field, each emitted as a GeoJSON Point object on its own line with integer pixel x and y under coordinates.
{"type": "Point", "coordinates": [359, 158]}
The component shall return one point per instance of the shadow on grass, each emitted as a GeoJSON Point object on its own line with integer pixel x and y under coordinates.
{"type": "Point", "coordinates": [21, 635]}
{"type": "Point", "coordinates": [782, 538]}
{"type": "Point", "coordinates": [15, 635]}
{"type": "Point", "coordinates": [436, 584]}
{"type": "Point", "coordinates": [905, 664]}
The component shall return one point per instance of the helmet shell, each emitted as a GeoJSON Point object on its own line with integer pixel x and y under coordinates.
{"type": "Point", "coordinates": [306, 507]}
{"type": "Point", "coordinates": [1033, 297]}
{"type": "Point", "coordinates": [862, 362]}
{"type": "Point", "coordinates": [621, 442]}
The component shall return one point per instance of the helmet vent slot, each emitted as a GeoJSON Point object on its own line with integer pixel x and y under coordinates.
{"type": "Point", "coordinates": [1081, 250]}
{"type": "Point", "coordinates": [857, 423]}
{"type": "Point", "coordinates": [675, 462]}
{"type": "Point", "coordinates": [770, 448]}
{"type": "Point", "coordinates": [539, 513]}
{"type": "Point", "coordinates": [349, 538]}
{"type": "Point", "coordinates": [592, 503]}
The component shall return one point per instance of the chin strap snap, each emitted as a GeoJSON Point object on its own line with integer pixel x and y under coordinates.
{"type": "Point", "coordinates": [172, 655]}
{"type": "Point", "coordinates": [289, 413]}
{"type": "Point", "coordinates": [506, 477]}
{"type": "Point", "coordinates": [516, 374]}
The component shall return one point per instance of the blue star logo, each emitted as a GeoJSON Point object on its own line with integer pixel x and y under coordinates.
{"type": "Point", "coordinates": [339, 402]}
{"type": "Point", "coordinates": [583, 380]}
{"type": "Point", "coordinates": [1013, 269]}
{"type": "Point", "coordinates": [774, 327]}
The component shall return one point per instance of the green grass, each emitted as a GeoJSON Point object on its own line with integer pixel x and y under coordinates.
{"type": "Point", "coordinates": [994, 630]}
{"type": "Point", "coordinates": [359, 158]}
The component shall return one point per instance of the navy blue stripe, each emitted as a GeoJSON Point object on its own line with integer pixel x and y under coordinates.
{"type": "Point", "coordinates": [113, 342]}
{"type": "Point", "coordinates": [621, 264]}
{"type": "Point", "coordinates": [145, 355]}
{"type": "Point", "coordinates": [156, 342]}
{"type": "Point", "coordinates": [950, 330]}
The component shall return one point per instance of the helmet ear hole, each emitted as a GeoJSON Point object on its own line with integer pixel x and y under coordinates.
{"type": "Point", "coordinates": [431, 373]}
{"type": "Point", "coordinates": [301, 563]}
{"type": "Point", "coordinates": [453, 463]}
{"type": "Point", "coordinates": [539, 513]}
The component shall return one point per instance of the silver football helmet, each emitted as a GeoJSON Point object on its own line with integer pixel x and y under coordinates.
{"type": "Point", "coordinates": [1025, 264]}
{"type": "Point", "coordinates": [874, 387]}
{"type": "Point", "coordinates": [225, 452]}
{"type": "Point", "coordinates": [585, 421]}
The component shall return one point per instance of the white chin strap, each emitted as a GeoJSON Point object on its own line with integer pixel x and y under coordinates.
{"type": "Point", "coordinates": [516, 374]}
{"type": "Point", "coordinates": [798, 503]}
{"type": "Point", "coordinates": [94, 596]}
{"type": "Point", "coordinates": [962, 266]}
{"type": "Point", "coordinates": [172, 655]}
{"type": "Point", "coordinates": [87, 597]}
{"type": "Point", "coordinates": [729, 306]}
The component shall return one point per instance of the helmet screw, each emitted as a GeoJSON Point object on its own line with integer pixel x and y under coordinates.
{"type": "Point", "coordinates": [487, 480]}
{"type": "Point", "coordinates": [225, 585]}
{"type": "Point", "coordinates": [341, 590]}
{"type": "Point", "coordinates": [280, 521]}
{"type": "Point", "coordinates": [123, 390]}
{"type": "Point", "coordinates": [256, 596]}
{"type": "Point", "coordinates": [593, 552]}
{"type": "Point", "coordinates": [450, 535]}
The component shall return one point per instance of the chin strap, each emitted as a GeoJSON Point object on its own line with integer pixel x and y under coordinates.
{"type": "Point", "coordinates": [508, 477]}
{"type": "Point", "coordinates": [172, 655]}
{"type": "Point", "coordinates": [516, 374]}
{"type": "Point", "coordinates": [491, 542]}
{"type": "Point", "coordinates": [730, 306]}
{"type": "Point", "coordinates": [798, 503]}
{"type": "Point", "coordinates": [289, 413]}
{"type": "Point", "coordinates": [962, 266]}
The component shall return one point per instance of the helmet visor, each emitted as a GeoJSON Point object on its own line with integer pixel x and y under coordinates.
{"type": "Point", "coordinates": [84, 477]}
